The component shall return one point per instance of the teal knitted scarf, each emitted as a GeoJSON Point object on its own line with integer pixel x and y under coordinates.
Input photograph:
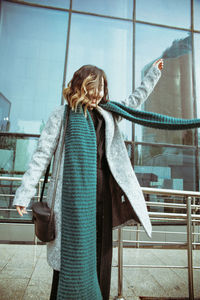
{"type": "Point", "coordinates": [78, 276]}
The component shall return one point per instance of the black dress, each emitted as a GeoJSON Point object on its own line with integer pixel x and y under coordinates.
{"type": "Point", "coordinates": [104, 214]}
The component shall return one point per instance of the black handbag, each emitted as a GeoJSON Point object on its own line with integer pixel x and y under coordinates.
{"type": "Point", "coordinates": [43, 215]}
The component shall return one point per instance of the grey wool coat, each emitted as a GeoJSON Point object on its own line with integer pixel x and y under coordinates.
{"type": "Point", "coordinates": [130, 206]}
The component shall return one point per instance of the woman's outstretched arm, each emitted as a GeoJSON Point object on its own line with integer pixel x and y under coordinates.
{"type": "Point", "coordinates": [141, 94]}
{"type": "Point", "coordinates": [41, 158]}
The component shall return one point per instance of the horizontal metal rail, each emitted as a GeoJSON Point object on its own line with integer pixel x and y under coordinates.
{"type": "Point", "coordinates": [172, 205]}
{"type": "Point", "coordinates": [155, 242]}
{"type": "Point", "coordinates": [157, 266]}
{"type": "Point", "coordinates": [160, 231]}
{"type": "Point", "coordinates": [145, 190]}
{"type": "Point", "coordinates": [3, 178]}
{"type": "Point", "coordinates": [12, 179]}
{"type": "Point", "coordinates": [170, 192]}
{"type": "Point", "coordinates": [154, 231]}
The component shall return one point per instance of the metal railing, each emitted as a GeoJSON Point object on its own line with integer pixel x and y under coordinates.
{"type": "Point", "coordinates": [190, 218]}
{"type": "Point", "coordinates": [11, 195]}
{"type": "Point", "coordinates": [5, 178]}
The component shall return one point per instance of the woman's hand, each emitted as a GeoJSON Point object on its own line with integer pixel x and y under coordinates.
{"type": "Point", "coordinates": [21, 210]}
{"type": "Point", "coordinates": [159, 63]}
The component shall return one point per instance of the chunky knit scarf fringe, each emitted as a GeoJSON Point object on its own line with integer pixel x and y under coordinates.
{"type": "Point", "coordinates": [78, 277]}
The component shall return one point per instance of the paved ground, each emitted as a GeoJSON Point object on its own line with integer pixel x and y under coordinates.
{"type": "Point", "coordinates": [25, 274]}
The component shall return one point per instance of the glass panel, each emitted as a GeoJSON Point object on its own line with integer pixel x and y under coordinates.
{"type": "Point", "coordinates": [199, 173]}
{"type": "Point", "coordinates": [165, 167]}
{"type": "Point", "coordinates": [107, 44]}
{"type": "Point", "coordinates": [170, 12]}
{"type": "Point", "coordinates": [54, 3]}
{"type": "Point", "coordinates": [7, 192]}
{"type": "Point", "coordinates": [197, 75]}
{"type": "Point", "coordinates": [197, 14]}
{"type": "Point", "coordinates": [15, 155]}
{"type": "Point", "coordinates": [120, 8]}
{"type": "Point", "coordinates": [4, 113]}
{"type": "Point", "coordinates": [7, 211]}
{"type": "Point", "coordinates": [173, 94]}
{"type": "Point", "coordinates": [32, 61]}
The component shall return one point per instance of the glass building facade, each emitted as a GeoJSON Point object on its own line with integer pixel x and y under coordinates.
{"type": "Point", "coordinates": [42, 43]}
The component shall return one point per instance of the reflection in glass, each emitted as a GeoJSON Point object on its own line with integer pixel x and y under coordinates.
{"type": "Point", "coordinates": [197, 75]}
{"type": "Point", "coordinates": [5, 107]}
{"type": "Point", "coordinates": [165, 167]}
{"type": "Point", "coordinates": [197, 69]}
{"type": "Point", "coordinates": [54, 3]}
{"type": "Point", "coordinates": [173, 94]}
{"type": "Point", "coordinates": [170, 12]}
{"type": "Point", "coordinates": [31, 61]}
{"type": "Point", "coordinates": [120, 8]}
{"type": "Point", "coordinates": [15, 155]}
{"type": "Point", "coordinates": [107, 44]}
{"type": "Point", "coordinates": [197, 14]}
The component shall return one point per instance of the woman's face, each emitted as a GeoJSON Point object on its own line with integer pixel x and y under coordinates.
{"type": "Point", "coordinates": [95, 95]}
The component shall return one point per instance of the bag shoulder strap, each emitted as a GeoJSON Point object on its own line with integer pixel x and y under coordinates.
{"type": "Point", "coordinates": [44, 182]}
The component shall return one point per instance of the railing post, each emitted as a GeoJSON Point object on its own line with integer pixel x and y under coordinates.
{"type": "Point", "coordinates": [189, 249]}
{"type": "Point", "coordinates": [120, 266]}
{"type": "Point", "coordinates": [38, 199]}
{"type": "Point", "coordinates": [137, 235]}
{"type": "Point", "coordinates": [194, 224]}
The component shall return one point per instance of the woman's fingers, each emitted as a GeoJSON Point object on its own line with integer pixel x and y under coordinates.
{"type": "Point", "coordinates": [24, 210]}
{"type": "Point", "coordinates": [159, 63]}
{"type": "Point", "coordinates": [21, 210]}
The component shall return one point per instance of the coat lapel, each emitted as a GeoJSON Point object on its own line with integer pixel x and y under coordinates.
{"type": "Point", "coordinates": [122, 170]}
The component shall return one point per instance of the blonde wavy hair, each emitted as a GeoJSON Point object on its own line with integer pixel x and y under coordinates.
{"type": "Point", "coordinates": [87, 78]}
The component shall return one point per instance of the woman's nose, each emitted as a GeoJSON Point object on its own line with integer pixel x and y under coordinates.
{"type": "Point", "coordinates": [94, 93]}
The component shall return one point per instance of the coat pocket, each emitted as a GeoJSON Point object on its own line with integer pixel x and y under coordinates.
{"type": "Point", "coordinates": [122, 210]}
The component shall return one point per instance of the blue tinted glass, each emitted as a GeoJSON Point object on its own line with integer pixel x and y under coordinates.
{"type": "Point", "coordinates": [15, 155]}
{"type": "Point", "coordinates": [107, 44]}
{"type": "Point", "coordinates": [54, 3]}
{"type": "Point", "coordinates": [197, 14]}
{"type": "Point", "coordinates": [197, 75]}
{"type": "Point", "coordinates": [197, 69]}
{"type": "Point", "coordinates": [120, 8]}
{"type": "Point", "coordinates": [170, 12]}
{"type": "Point", "coordinates": [5, 106]}
{"type": "Point", "coordinates": [32, 63]}
{"type": "Point", "coordinates": [165, 167]}
{"type": "Point", "coordinates": [173, 94]}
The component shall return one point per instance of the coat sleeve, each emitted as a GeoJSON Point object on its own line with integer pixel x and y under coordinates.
{"type": "Point", "coordinates": [142, 93]}
{"type": "Point", "coordinates": [42, 156]}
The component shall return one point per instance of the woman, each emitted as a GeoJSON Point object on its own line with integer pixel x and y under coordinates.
{"type": "Point", "coordinates": [118, 197]}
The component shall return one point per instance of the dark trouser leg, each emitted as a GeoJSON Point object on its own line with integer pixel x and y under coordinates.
{"type": "Point", "coordinates": [54, 286]}
{"type": "Point", "coordinates": [104, 233]}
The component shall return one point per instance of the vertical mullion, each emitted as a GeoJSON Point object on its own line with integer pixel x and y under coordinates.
{"type": "Point", "coordinates": [133, 81]}
{"type": "Point", "coordinates": [194, 101]}
{"type": "Point", "coordinates": [66, 51]}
